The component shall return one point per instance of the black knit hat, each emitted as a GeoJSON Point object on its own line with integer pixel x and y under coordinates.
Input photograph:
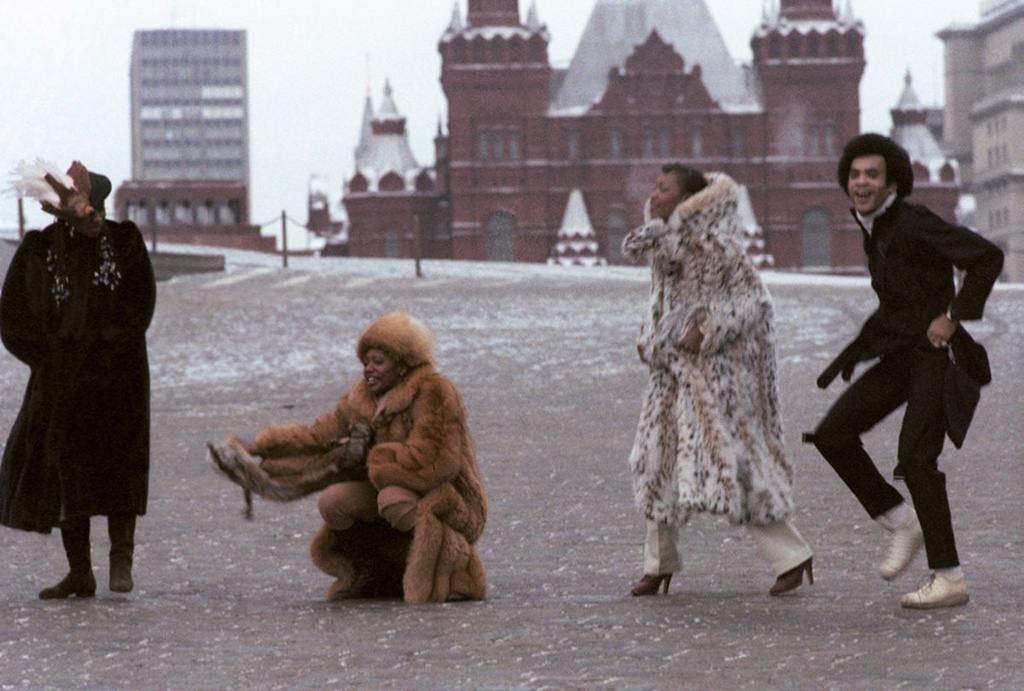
{"type": "Point", "coordinates": [897, 161]}
{"type": "Point", "coordinates": [99, 190]}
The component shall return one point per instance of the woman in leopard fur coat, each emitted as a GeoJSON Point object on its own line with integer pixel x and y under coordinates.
{"type": "Point", "coordinates": [710, 436]}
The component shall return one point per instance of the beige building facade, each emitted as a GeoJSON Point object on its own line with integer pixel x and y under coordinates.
{"type": "Point", "coordinates": [984, 121]}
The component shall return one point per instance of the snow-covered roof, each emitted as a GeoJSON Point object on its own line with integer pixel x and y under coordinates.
{"type": "Point", "coordinates": [575, 220]}
{"type": "Point", "coordinates": [456, 27]}
{"type": "Point", "coordinates": [387, 152]}
{"type": "Point", "coordinates": [617, 27]}
{"type": "Point", "coordinates": [577, 242]}
{"type": "Point", "coordinates": [379, 153]}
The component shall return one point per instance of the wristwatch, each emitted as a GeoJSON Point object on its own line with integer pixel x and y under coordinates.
{"type": "Point", "coordinates": [951, 313]}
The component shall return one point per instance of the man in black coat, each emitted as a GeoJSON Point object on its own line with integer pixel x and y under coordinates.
{"type": "Point", "coordinates": [911, 258]}
{"type": "Point", "coordinates": [76, 303]}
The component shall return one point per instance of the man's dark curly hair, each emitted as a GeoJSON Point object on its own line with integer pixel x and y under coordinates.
{"type": "Point", "coordinates": [690, 180]}
{"type": "Point", "coordinates": [897, 161]}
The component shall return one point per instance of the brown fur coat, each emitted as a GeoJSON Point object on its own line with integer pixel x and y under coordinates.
{"type": "Point", "coordinates": [422, 444]}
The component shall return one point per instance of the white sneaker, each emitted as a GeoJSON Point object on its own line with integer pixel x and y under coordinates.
{"type": "Point", "coordinates": [907, 541]}
{"type": "Point", "coordinates": [939, 591]}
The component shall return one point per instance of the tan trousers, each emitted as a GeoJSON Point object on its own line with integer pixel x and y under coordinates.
{"type": "Point", "coordinates": [779, 543]}
{"type": "Point", "coordinates": [344, 503]}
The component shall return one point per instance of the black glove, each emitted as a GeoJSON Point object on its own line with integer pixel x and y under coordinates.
{"type": "Point", "coordinates": [843, 365]}
{"type": "Point", "coordinates": [350, 453]}
{"type": "Point", "coordinates": [360, 439]}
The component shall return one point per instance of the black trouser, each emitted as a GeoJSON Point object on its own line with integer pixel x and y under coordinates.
{"type": "Point", "coordinates": [914, 377]}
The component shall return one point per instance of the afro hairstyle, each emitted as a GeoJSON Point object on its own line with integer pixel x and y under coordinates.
{"type": "Point", "coordinates": [897, 161]}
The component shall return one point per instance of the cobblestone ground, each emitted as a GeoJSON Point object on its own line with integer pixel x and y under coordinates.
{"type": "Point", "coordinates": [549, 375]}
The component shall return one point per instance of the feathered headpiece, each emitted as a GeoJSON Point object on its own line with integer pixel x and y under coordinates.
{"type": "Point", "coordinates": [29, 180]}
{"type": "Point", "coordinates": [75, 194]}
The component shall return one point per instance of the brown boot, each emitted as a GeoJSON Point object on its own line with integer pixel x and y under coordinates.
{"type": "Point", "coordinates": [121, 528]}
{"type": "Point", "coordinates": [80, 581]}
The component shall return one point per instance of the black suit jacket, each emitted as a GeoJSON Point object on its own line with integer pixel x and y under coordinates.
{"type": "Point", "coordinates": [911, 256]}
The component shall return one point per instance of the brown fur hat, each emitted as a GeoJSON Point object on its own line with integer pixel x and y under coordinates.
{"type": "Point", "coordinates": [404, 338]}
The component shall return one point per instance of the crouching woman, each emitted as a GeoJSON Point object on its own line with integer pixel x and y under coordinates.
{"type": "Point", "coordinates": [409, 528]}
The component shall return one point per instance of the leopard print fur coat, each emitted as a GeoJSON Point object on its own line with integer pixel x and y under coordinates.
{"type": "Point", "coordinates": [710, 434]}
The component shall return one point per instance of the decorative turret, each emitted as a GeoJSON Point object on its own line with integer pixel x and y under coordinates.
{"type": "Point", "coordinates": [383, 157]}
{"type": "Point", "coordinates": [910, 129]}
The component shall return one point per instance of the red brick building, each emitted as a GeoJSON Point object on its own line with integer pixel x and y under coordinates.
{"type": "Point", "coordinates": [651, 82]}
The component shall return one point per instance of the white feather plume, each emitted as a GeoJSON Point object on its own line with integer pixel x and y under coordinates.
{"type": "Point", "coordinates": [28, 181]}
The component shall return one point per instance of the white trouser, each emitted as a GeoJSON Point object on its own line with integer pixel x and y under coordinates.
{"type": "Point", "coordinates": [779, 543]}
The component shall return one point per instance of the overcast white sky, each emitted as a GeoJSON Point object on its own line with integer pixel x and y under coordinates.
{"type": "Point", "coordinates": [64, 90]}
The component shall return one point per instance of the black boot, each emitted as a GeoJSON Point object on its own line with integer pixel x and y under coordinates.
{"type": "Point", "coordinates": [80, 580]}
{"type": "Point", "coordinates": [121, 528]}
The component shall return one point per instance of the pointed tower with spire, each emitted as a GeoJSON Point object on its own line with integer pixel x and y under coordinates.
{"type": "Point", "coordinates": [910, 130]}
{"type": "Point", "coordinates": [936, 174]}
{"type": "Point", "coordinates": [366, 129]}
{"type": "Point", "coordinates": [384, 149]}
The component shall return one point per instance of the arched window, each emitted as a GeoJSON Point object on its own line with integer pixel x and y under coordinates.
{"type": "Point", "coordinates": [795, 45]}
{"type": "Point", "coordinates": [138, 214]}
{"type": "Point", "coordinates": [815, 241]}
{"type": "Point", "coordinates": [391, 244]}
{"type": "Point", "coordinates": [572, 145]}
{"type": "Point", "coordinates": [616, 233]}
{"type": "Point", "coordinates": [615, 143]}
{"type": "Point", "coordinates": [516, 50]}
{"type": "Point", "coordinates": [648, 142]}
{"type": "Point", "coordinates": [500, 237]}
{"type": "Point", "coordinates": [205, 213]}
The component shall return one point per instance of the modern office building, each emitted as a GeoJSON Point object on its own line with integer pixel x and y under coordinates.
{"type": "Point", "coordinates": [190, 138]}
{"type": "Point", "coordinates": [189, 99]}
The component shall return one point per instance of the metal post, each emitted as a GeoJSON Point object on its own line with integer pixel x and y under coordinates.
{"type": "Point", "coordinates": [284, 238]}
{"type": "Point", "coordinates": [21, 219]}
{"type": "Point", "coordinates": [417, 245]}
